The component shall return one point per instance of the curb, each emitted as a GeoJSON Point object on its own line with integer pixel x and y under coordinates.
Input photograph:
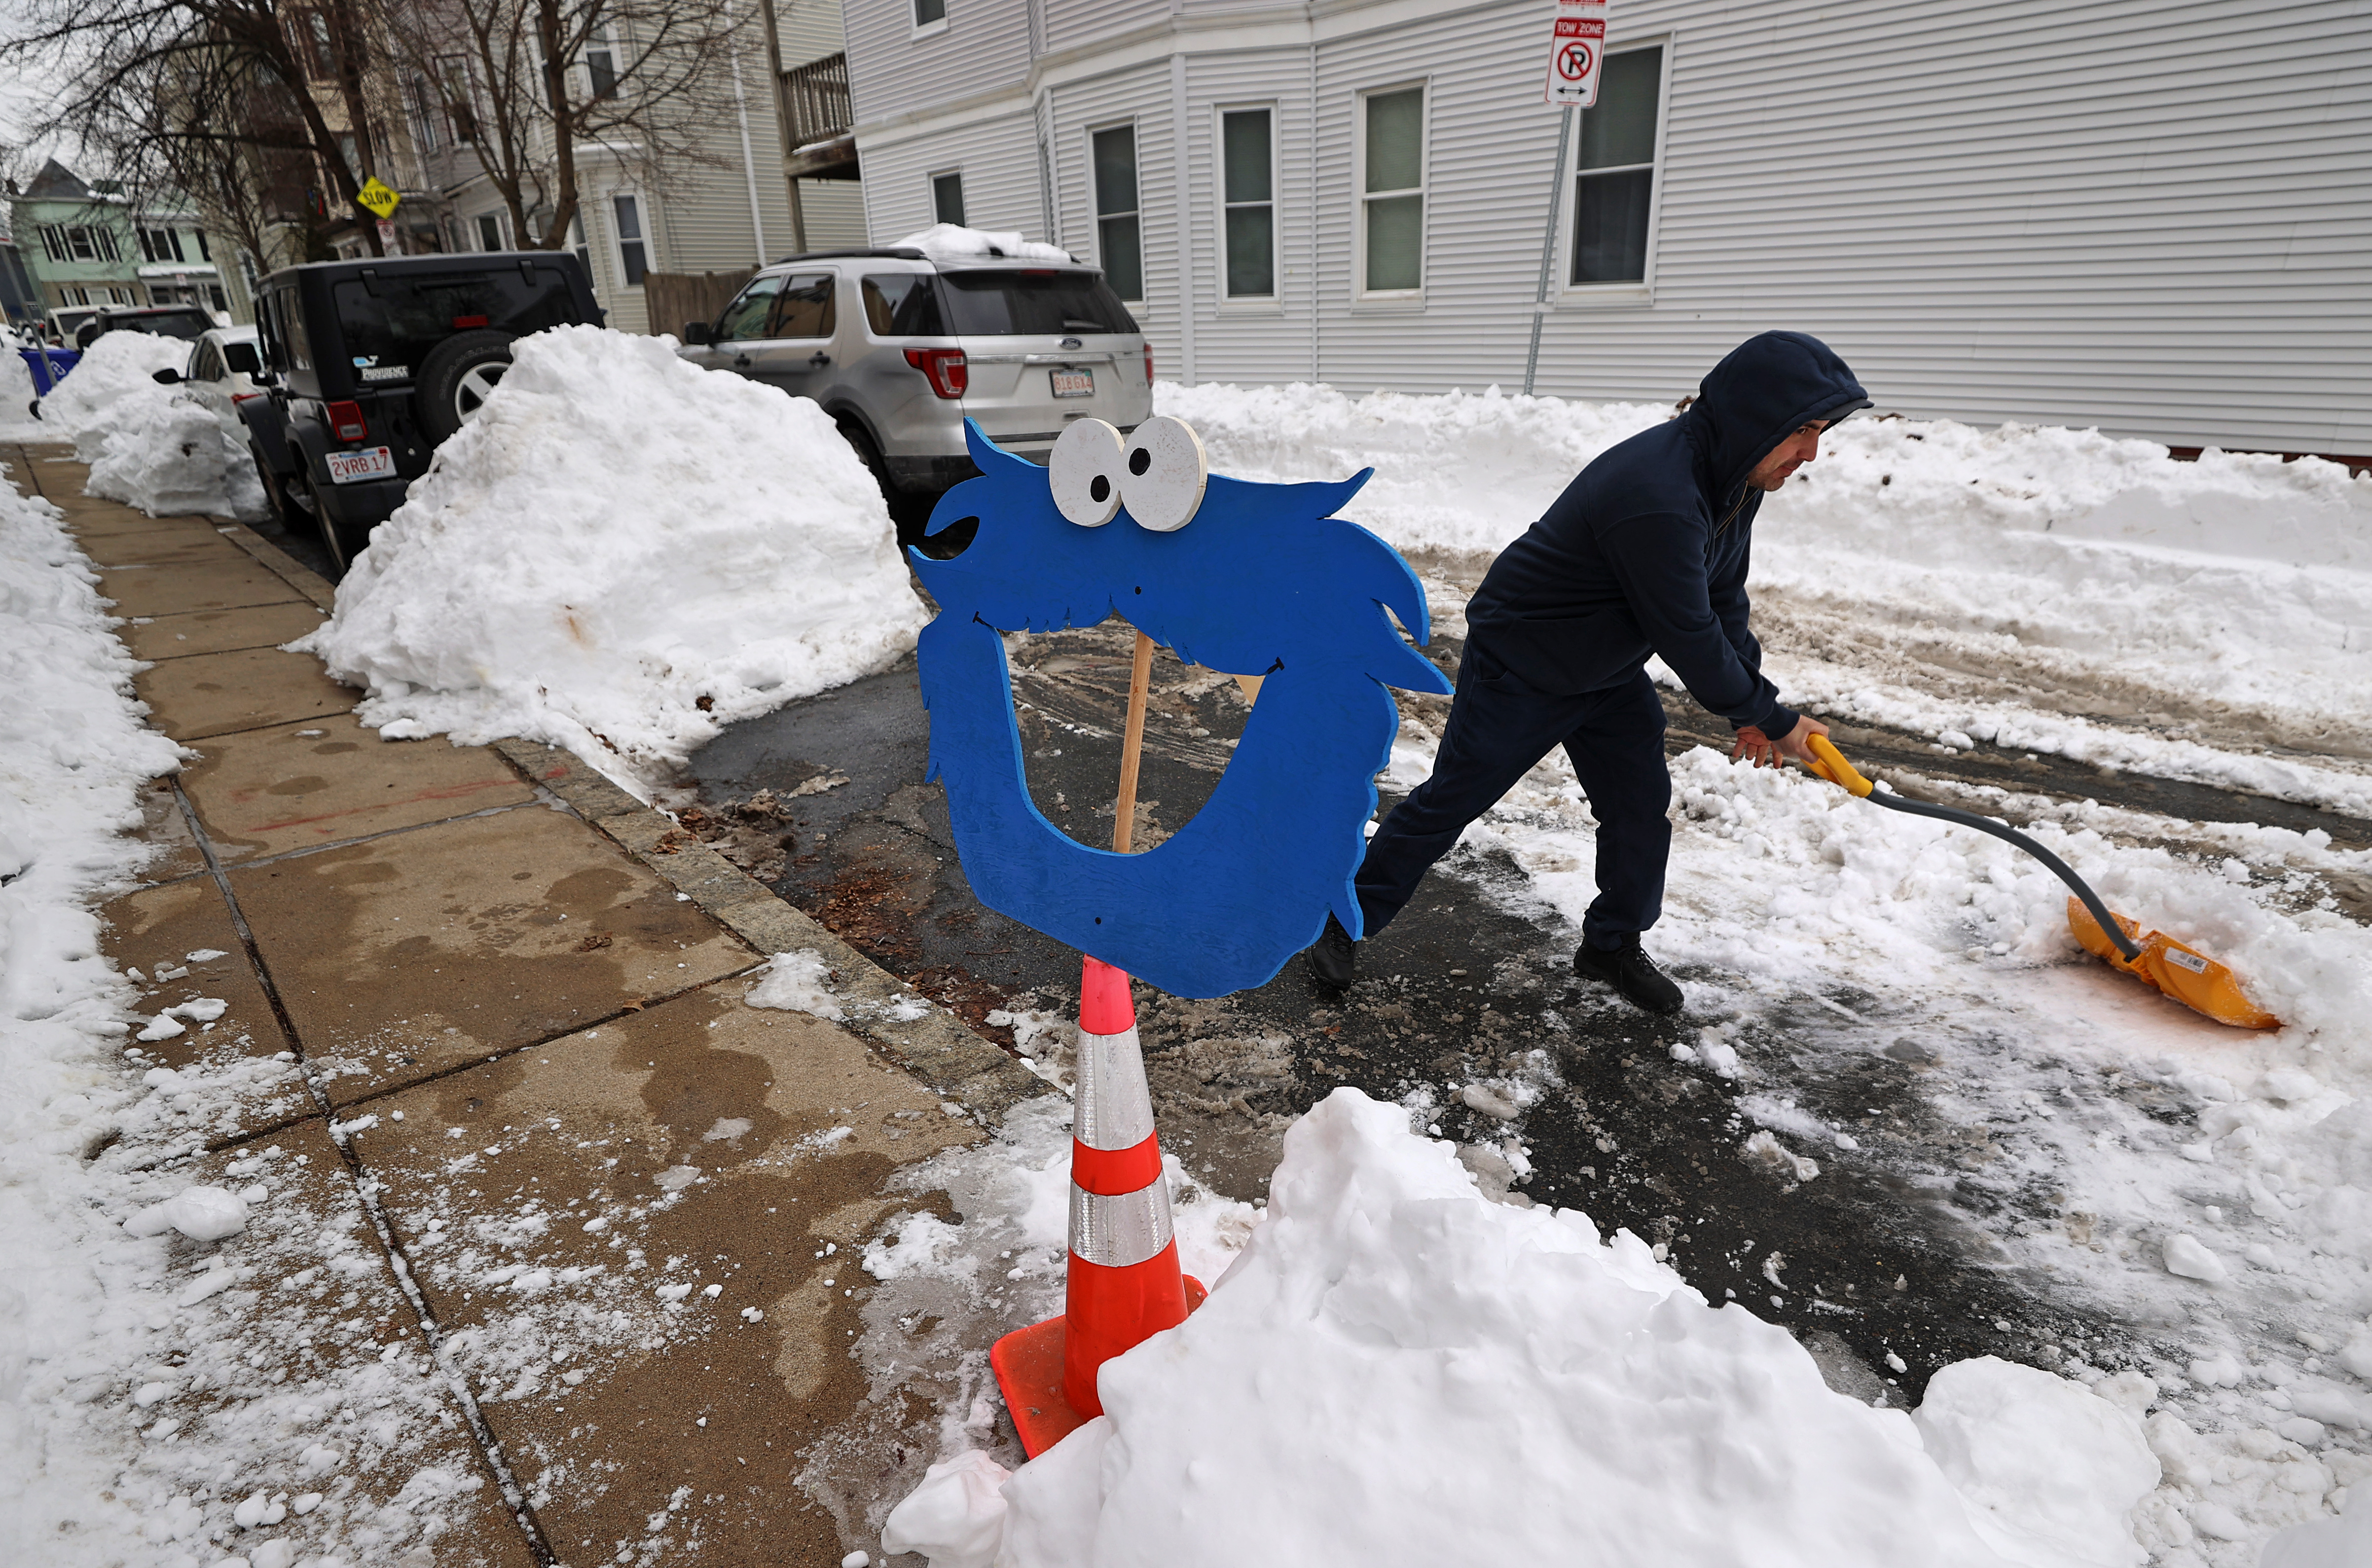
{"type": "Point", "coordinates": [938, 1049]}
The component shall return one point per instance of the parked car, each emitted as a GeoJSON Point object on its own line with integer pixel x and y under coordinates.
{"type": "Point", "coordinates": [222, 371]}
{"type": "Point", "coordinates": [899, 347]}
{"type": "Point", "coordinates": [67, 320]}
{"type": "Point", "coordinates": [164, 320]}
{"type": "Point", "coordinates": [369, 365]}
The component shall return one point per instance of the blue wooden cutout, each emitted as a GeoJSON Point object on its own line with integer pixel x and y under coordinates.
{"type": "Point", "coordinates": [1264, 581]}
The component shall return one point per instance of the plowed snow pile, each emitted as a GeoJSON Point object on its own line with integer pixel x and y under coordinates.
{"type": "Point", "coordinates": [148, 446]}
{"type": "Point", "coordinates": [1397, 1371]}
{"type": "Point", "coordinates": [620, 555]}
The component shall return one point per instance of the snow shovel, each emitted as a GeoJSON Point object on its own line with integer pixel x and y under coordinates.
{"type": "Point", "coordinates": [2189, 976]}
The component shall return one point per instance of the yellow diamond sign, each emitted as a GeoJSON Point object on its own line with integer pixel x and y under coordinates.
{"type": "Point", "coordinates": [379, 197]}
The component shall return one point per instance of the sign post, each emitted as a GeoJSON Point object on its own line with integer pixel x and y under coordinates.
{"type": "Point", "coordinates": [1577, 51]}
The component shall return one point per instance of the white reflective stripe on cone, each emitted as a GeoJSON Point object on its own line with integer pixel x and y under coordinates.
{"type": "Point", "coordinates": [1119, 1231]}
{"type": "Point", "coordinates": [1114, 1108]}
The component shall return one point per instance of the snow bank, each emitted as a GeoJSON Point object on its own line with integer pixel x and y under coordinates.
{"type": "Point", "coordinates": [620, 555]}
{"type": "Point", "coordinates": [16, 420]}
{"type": "Point", "coordinates": [2056, 555]}
{"type": "Point", "coordinates": [73, 758]}
{"type": "Point", "coordinates": [150, 447]}
{"type": "Point", "coordinates": [1397, 1371]}
{"type": "Point", "coordinates": [955, 241]}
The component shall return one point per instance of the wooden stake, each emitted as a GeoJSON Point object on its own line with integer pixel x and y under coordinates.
{"type": "Point", "coordinates": [1132, 744]}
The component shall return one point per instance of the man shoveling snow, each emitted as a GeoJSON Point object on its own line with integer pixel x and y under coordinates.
{"type": "Point", "coordinates": [1644, 554]}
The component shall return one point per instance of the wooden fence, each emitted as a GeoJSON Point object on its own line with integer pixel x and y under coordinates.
{"type": "Point", "coordinates": [673, 299]}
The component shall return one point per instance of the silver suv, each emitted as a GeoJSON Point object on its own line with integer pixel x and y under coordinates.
{"type": "Point", "coordinates": [899, 347]}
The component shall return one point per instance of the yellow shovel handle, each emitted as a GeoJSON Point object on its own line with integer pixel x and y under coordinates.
{"type": "Point", "coordinates": [1830, 764]}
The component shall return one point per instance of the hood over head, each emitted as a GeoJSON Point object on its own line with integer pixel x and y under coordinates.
{"type": "Point", "coordinates": [1766, 388]}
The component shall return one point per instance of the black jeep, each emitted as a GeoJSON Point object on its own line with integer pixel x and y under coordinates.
{"type": "Point", "coordinates": [371, 364]}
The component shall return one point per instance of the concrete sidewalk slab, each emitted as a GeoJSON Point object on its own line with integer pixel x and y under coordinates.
{"type": "Point", "coordinates": [402, 957]}
{"type": "Point", "coordinates": [209, 694]}
{"type": "Point", "coordinates": [301, 785]}
{"type": "Point", "coordinates": [168, 545]}
{"type": "Point", "coordinates": [553, 1202]}
{"type": "Point", "coordinates": [173, 848]}
{"type": "Point", "coordinates": [159, 931]}
{"type": "Point", "coordinates": [219, 631]}
{"type": "Point", "coordinates": [180, 588]}
{"type": "Point", "coordinates": [304, 1361]}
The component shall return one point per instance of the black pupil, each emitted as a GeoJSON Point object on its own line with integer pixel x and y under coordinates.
{"type": "Point", "coordinates": [1139, 460]}
{"type": "Point", "coordinates": [1100, 488]}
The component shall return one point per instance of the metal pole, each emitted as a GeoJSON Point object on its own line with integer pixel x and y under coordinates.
{"type": "Point", "coordinates": [1548, 247]}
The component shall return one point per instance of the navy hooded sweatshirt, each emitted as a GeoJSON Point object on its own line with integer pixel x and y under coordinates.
{"type": "Point", "coordinates": [1646, 550]}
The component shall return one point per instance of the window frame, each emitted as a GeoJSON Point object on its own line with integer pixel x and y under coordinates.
{"type": "Point", "coordinates": [917, 28]}
{"type": "Point", "coordinates": [930, 194]}
{"type": "Point", "coordinates": [618, 242]}
{"type": "Point", "coordinates": [1621, 293]}
{"type": "Point", "coordinates": [1422, 191]}
{"type": "Point", "coordinates": [1272, 302]}
{"type": "Point", "coordinates": [605, 47]}
{"type": "Point", "coordinates": [1097, 216]}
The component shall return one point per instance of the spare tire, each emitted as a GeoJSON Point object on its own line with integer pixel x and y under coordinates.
{"type": "Point", "coordinates": [452, 382]}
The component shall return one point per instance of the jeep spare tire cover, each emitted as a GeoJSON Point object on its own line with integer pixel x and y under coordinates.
{"type": "Point", "coordinates": [453, 381]}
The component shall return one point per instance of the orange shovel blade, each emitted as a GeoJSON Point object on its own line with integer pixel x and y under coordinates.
{"type": "Point", "coordinates": [2189, 976]}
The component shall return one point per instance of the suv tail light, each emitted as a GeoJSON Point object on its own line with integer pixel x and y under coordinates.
{"type": "Point", "coordinates": [948, 372]}
{"type": "Point", "coordinates": [1148, 367]}
{"type": "Point", "coordinates": [346, 420]}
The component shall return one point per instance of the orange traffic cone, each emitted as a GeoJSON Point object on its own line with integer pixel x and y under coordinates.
{"type": "Point", "coordinates": [1125, 1285]}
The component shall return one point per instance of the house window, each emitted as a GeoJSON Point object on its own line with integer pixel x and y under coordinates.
{"type": "Point", "coordinates": [79, 240]}
{"type": "Point", "coordinates": [54, 242]}
{"type": "Point", "coordinates": [1247, 156]}
{"type": "Point", "coordinates": [633, 260]}
{"type": "Point", "coordinates": [947, 199]}
{"type": "Point", "coordinates": [929, 13]}
{"type": "Point", "coordinates": [424, 113]}
{"type": "Point", "coordinates": [453, 73]}
{"type": "Point", "coordinates": [1392, 192]}
{"type": "Point", "coordinates": [76, 296]}
{"type": "Point", "coordinates": [489, 231]}
{"type": "Point", "coordinates": [1120, 239]}
{"type": "Point", "coordinates": [601, 67]}
{"type": "Point", "coordinates": [1615, 186]}
{"type": "Point", "coordinates": [160, 245]}
{"type": "Point", "coordinates": [198, 236]}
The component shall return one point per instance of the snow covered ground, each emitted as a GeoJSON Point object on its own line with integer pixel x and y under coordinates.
{"type": "Point", "coordinates": [581, 569]}
{"type": "Point", "coordinates": [620, 555]}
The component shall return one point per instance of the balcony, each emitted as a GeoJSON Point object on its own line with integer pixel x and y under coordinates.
{"type": "Point", "coordinates": [816, 117]}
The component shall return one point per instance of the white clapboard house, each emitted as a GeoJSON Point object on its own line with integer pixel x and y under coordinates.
{"type": "Point", "coordinates": [2150, 215]}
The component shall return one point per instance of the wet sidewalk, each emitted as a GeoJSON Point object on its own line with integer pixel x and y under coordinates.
{"type": "Point", "coordinates": [550, 1254]}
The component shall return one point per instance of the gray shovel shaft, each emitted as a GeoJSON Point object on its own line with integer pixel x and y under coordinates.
{"type": "Point", "coordinates": [2059, 868]}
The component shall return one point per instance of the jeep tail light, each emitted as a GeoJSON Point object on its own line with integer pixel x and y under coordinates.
{"type": "Point", "coordinates": [462, 323]}
{"type": "Point", "coordinates": [346, 420]}
{"type": "Point", "coordinates": [1148, 365]}
{"type": "Point", "coordinates": [948, 374]}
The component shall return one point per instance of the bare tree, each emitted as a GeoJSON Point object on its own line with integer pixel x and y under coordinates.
{"type": "Point", "coordinates": [206, 93]}
{"type": "Point", "coordinates": [531, 85]}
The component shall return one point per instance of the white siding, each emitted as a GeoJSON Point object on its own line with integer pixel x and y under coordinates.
{"type": "Point", "coordinates": [2151, 216]}
{"type": "Point", "coordinates": [983, 49]}
{"type": "Point", "coordinates": [807, 30]}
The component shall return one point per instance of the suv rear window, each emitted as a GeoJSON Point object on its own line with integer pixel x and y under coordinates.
{"type": "Point", "coordinates": [391, 322]}
{"type": "Point", "coordinates": [187, 325]}
{"type": "Point", "coordinates": [1034, 302]}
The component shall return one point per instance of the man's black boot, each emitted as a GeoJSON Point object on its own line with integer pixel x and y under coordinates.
{"type": "Point", "coordinates": [1628, 969]}
{"type": "Point", "coordinates": [1333, 956]}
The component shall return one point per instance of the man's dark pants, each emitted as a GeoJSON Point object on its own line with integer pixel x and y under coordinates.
{"type": "Point", "coordinates": [1499, 729]}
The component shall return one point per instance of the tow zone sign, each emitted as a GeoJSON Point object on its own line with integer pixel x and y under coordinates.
{"type": "Point", "coordinates": [1576, 51]}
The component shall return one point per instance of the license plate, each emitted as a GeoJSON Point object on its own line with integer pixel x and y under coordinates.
{"type": "Point", "coordinates": [353, 468]}
{"type": "Point", "coordinates": [1074, 383]}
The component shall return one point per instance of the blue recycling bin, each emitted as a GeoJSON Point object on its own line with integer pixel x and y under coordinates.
{"type": "Point", "coordinates": [49, 366]}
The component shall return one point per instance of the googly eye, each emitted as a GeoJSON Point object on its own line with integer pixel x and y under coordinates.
{"type": "Point", "coordinates": [1084, 471]}
{"type": "Point", "coordinates": [1162, 474]}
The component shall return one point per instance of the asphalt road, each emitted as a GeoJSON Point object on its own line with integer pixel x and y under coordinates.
{"type": "Point", "coordinates": [1890, 1251]}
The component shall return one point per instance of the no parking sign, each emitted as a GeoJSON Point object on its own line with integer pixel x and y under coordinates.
{"type": "Point", "coordinates": [1575, 51]}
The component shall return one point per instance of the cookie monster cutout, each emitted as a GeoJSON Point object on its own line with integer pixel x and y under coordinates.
{"type": "Point", "coordinates": [1257, 579]}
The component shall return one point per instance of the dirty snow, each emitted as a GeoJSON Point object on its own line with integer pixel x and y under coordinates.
{"type": "Point", "coordinates": [797, 981]}
{"type": "Point", "coordinates": [620, 555]}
